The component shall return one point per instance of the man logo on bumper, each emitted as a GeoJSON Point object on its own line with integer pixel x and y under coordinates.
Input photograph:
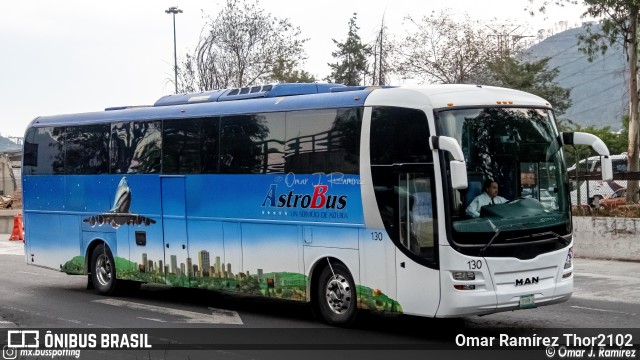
{"type": "Point", "coordinates": [527, 281]}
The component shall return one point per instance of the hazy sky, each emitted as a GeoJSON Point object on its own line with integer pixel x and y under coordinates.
{"type": "Point", "coordinates": [84, 55]}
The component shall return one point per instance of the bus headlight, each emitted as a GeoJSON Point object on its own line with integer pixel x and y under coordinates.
{"type": "Point", "coordinates": [464, 275]}
{"type": "Point", "coordinates": [569, 261]}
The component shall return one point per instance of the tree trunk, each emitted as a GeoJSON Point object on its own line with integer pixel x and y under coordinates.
{"type": "Point", "coordinates": [632, 152]}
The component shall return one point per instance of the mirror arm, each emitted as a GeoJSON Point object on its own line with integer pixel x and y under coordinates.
{"type": "Point", "coordinates": [580, 138]}
{"type": "Point", "coordinates": [448, 144]}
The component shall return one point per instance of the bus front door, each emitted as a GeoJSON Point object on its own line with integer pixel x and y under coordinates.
{"type": "Point", "coordinates": [418, 280]}
{"type": "Point", "coordinates": [178, 267]}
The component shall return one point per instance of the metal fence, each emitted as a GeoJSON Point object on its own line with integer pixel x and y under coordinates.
{"type": "Point", "coordinates": [588, 188]}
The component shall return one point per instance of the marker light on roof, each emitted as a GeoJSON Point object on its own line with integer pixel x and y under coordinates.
{"type": "Point", "coordinates": [450, 104]}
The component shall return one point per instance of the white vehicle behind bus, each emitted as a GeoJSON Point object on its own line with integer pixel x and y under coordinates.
{"type": "Point", "coordinates": [592, 191]}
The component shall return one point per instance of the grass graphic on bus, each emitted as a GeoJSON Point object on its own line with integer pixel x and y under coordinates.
{"type": "Point", "coordinates": [280, 285]}
{"type": "Point", "coordinates": [74, 266]}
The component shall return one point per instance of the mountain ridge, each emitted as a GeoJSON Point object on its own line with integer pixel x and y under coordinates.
{"type": "Point", "coordinates": [599, 89]}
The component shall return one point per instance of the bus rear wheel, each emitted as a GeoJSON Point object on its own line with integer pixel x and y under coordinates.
{"type": "Point", "coordinates": [336, 295]}
{"type": "Point", "coordinates": [103, 270]}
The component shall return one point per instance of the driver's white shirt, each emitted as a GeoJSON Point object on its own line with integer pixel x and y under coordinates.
{"type": "Point", "coordinates": [481, 200]}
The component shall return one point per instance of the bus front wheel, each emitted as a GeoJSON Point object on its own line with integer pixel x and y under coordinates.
{"type": "Point", "coordinates": [103, 270]}
{"type": "Point", "coordinates": [336, 295]}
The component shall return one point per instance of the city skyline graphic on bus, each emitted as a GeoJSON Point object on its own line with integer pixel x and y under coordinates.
{"type": "Point", "coordinates": [119, 214]}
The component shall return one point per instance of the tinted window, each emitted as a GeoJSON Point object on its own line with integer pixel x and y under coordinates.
{"type": "Point", "coordinates": [190, 146]}
{"type": "Point", "coordinates": [135, 147]}
{"type": "Point", "coordinates": [399, 136]}
{"type": "Point", "coordinates": [252, 144]}
{"type": "Point", "coordinates": [44, 151]}
{"type": "Point", "coordinates": [87, 149]}
{"type": "Point", "coordinates": [619, 165]}
{"type": "Point", "coordinates": [325, 141]}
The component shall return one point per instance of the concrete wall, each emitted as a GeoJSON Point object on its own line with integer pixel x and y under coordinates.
{"type": "Point", "coordinates": [606, 238]}
{"type": "Point", "coordinates": [7, 219]}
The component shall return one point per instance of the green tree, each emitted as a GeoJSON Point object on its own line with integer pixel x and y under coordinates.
{"type": "Point", "coordinates": [445, 50]}
{"type": "Point", "coordinates": [382, 49]}
{"type": "Point", "coordinates": [619, 24]}
{"type": "Point", "coordinates": [533, 77]}
{"type": "Point", "coordinates": [285, 71]}
{"type": "Point", "coordinates": [240, 47]}
{"type": "Point", "coordinates": [351, 67]}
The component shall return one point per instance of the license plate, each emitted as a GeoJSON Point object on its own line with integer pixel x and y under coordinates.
{"type": "Point", "coordinates": [527, 301]}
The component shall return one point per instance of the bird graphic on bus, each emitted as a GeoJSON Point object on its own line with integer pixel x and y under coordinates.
{"type": "Point", "coordinates": [119, 214]}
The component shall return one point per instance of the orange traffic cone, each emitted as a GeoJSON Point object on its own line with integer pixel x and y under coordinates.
{"type": "Point", "coordinates": [18, 228]}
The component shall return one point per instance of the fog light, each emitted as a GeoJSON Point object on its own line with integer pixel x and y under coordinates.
{"type": "Point", "coordinates": [464, 287]}
{"type": "Point", "coordinates": [564, 276]}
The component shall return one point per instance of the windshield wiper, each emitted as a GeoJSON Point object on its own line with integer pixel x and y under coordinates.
{"type": "Point", "coordinates": [495, 236]}
{"type": "Point", "coordinates": [546, 233]}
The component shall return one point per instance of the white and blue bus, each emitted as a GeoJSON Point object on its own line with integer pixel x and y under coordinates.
{"type": "Point", "coordinates": [345, 197]}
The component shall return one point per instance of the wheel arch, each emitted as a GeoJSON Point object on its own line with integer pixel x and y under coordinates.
{"type": "Point", "coordinates": [349, 259]}
{"type": "Point", "coordinates": [91, 246]}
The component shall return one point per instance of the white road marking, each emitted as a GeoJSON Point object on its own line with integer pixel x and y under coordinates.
{"type": "Point", "coordinates": [217, 317]}
{"type": "Point", "coordinates": [7, 324]}
{"type": "Point", "coordinates": [151, 319]}
{"type": "Point", "coordinates": [602, 310]}
{"type": "Point", "coordinates": [28, 273]}
{"type": "Point", "coordinates": [71, 321]}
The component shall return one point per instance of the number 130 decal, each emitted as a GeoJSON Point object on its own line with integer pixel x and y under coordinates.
{"type": "Point", "coordinates": [475, 264]}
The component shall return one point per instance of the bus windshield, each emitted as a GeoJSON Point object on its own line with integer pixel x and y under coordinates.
{"type": "Point", "coordinates": [511, 148]}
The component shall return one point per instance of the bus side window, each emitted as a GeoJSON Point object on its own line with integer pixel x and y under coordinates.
{"type": "Point", "coordinates": [323, 141]}
{"type": "Point", "coordinates": [402, 173]}
{"type": "Point", "coordinates": [44, 151]}
{"type": "Point", "coordinates": [87, 149]}
{"type": "Point", "coordinates": [136, 147]}
{"type": "Point", "coordinates": [190, 146]}
{"type": "Point", "coordinates": [252, 144]}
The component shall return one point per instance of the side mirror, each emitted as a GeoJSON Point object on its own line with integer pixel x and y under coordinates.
{"type": "Point", "coordinates": [458, 166]}
{"type": "Point", "coordinates": [606, 168]}
{"type": "Point", "coordinates": [580, 138]}
{"type": "Point", "coordinates": [458, 174]}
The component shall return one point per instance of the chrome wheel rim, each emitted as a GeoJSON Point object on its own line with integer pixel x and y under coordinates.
{"type": "Point", "coordinates": [338, 294]}
{"type": "Point", "coordinates": [104, 270]}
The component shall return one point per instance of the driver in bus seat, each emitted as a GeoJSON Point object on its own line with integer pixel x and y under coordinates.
{"type": "Point", "coordinates": [488, 197]}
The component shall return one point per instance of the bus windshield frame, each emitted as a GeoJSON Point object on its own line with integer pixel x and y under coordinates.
{"type": "Point", "coordinates": [509, 146]}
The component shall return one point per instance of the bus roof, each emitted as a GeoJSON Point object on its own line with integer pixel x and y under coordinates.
{"type": "Point", "coordinates": [455, 95]}
{"type": "Point", "coordinates": [270, 98]}
{"type": "Point", "coordinates": [287, 97]}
